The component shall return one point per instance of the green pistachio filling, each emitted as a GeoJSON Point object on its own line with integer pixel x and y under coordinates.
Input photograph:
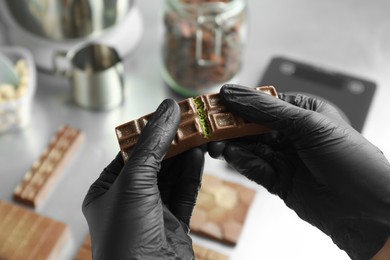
{"type": "Point", "coordinates": [204, 122]}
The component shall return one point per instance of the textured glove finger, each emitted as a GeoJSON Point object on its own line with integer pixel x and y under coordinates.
{"type": "Point", "coordinates": [274, 139]}
{"type": "Point", "coordinates": [250, 165]}
{"type": "Point", "coordinates": [261, 108]}
{"type": "Point", "coordinates": [215, 149]}
{"type": "Point", "coordinates": [157, 135]}
{"type": "Point", "coordinates": [179, 181]}
{"type": "Point", "coordinates": [314, 104]}
{"type": "Point", "coordinates": [295, 122]}
{"type": "Point", "coordinates": [140, 172]}
{"type": "Point", "coordinates": [105, 180]}
{"type": "Point", "coordinates": [185, 191]}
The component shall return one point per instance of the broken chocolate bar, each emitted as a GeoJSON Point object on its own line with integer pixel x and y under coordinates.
{"type": "Point", "coordinates": [203, 119]}
{"type": "Point", "coordinates": [28, 235]}
{"type": "Point", "coordinates": [221, 209]}
{"type": "Point", "coordinates": [39, 180]}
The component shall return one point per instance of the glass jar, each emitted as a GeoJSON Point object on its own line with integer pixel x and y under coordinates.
{"type": "Point", "coordinates": [202, 44]}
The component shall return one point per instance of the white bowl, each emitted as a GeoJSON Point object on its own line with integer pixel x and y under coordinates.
{"type": "Point", "coordinates": [124, 37]}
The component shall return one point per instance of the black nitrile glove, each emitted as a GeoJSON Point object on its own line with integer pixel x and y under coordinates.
{"type": "Point", "coordinates": [127, 217]}
{"type": "Point", "coordinates": [318, 164]}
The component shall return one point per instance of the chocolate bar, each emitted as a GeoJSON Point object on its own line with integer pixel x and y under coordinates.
{"type": "Point", "coordinates": [221, 209]}
{"type": "Point", "coordinates": [85, 251]}
{"type": "Point", "coordinates": [28, 235]}
{"type": "Point", "coordinates": [203, 119]}
{"type": "Point", "coordinates": [40, 179]}
{"type": "Point", "coordinates": [201, 253]}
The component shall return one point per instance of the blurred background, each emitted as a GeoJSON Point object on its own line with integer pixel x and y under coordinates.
{"type": "Point", "coordinates": [129, 56]}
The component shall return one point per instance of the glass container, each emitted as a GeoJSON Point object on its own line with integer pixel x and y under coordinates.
{"type": "Point", "coordinates": [202, 44]}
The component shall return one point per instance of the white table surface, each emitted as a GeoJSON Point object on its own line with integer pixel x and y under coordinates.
{"type": "Point", "coordinates": [352, 36]}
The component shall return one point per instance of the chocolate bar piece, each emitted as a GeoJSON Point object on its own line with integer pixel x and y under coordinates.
{"type": "Point", "coordinates": [221, 209]}
{"type": "Point", "coordinates": [40, 179]}
{"type": "Point", "coordinates": [28, 235]}
{"type": "Point", "coordinates": [201, 253]}
{"type": "Point", "coordinates": [85, 251]}
{"type": "Point", "coordinates": [203, 119]}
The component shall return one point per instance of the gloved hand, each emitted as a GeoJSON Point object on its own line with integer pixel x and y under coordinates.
{"type": "Point", "coordinates": [318, 164]}
{"type": "Point", "coordinates": [142, 209]}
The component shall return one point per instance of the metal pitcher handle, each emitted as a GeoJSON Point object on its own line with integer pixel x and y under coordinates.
{"type": "Point", "coordinates": [57, 70]}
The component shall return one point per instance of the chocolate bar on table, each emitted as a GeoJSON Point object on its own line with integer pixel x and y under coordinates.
{"type": "Point", "coordinates": [26, 235]}
{"type": "Point", "coordinates": [221, 209]}
{"type": "Point", "coordinates": [203, 119]}
{"type": "Point", "coordinates": [201, 253]}
{"type": "Point", "coordinates": [85, 251]}
{"type": "Point", "coordinates": [40, 179]}
{"type": "Point", "coordinates": [204, 253]}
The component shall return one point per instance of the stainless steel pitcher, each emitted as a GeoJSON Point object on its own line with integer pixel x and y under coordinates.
{"type": "Point", "coordinates": [96, 75]}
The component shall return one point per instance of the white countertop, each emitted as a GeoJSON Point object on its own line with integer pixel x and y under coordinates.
{"type": "Point", "coordinates": [348, 35]}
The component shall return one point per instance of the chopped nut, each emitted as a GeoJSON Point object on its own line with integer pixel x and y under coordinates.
{"type": "Point", "coordinates": [7, 91]}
